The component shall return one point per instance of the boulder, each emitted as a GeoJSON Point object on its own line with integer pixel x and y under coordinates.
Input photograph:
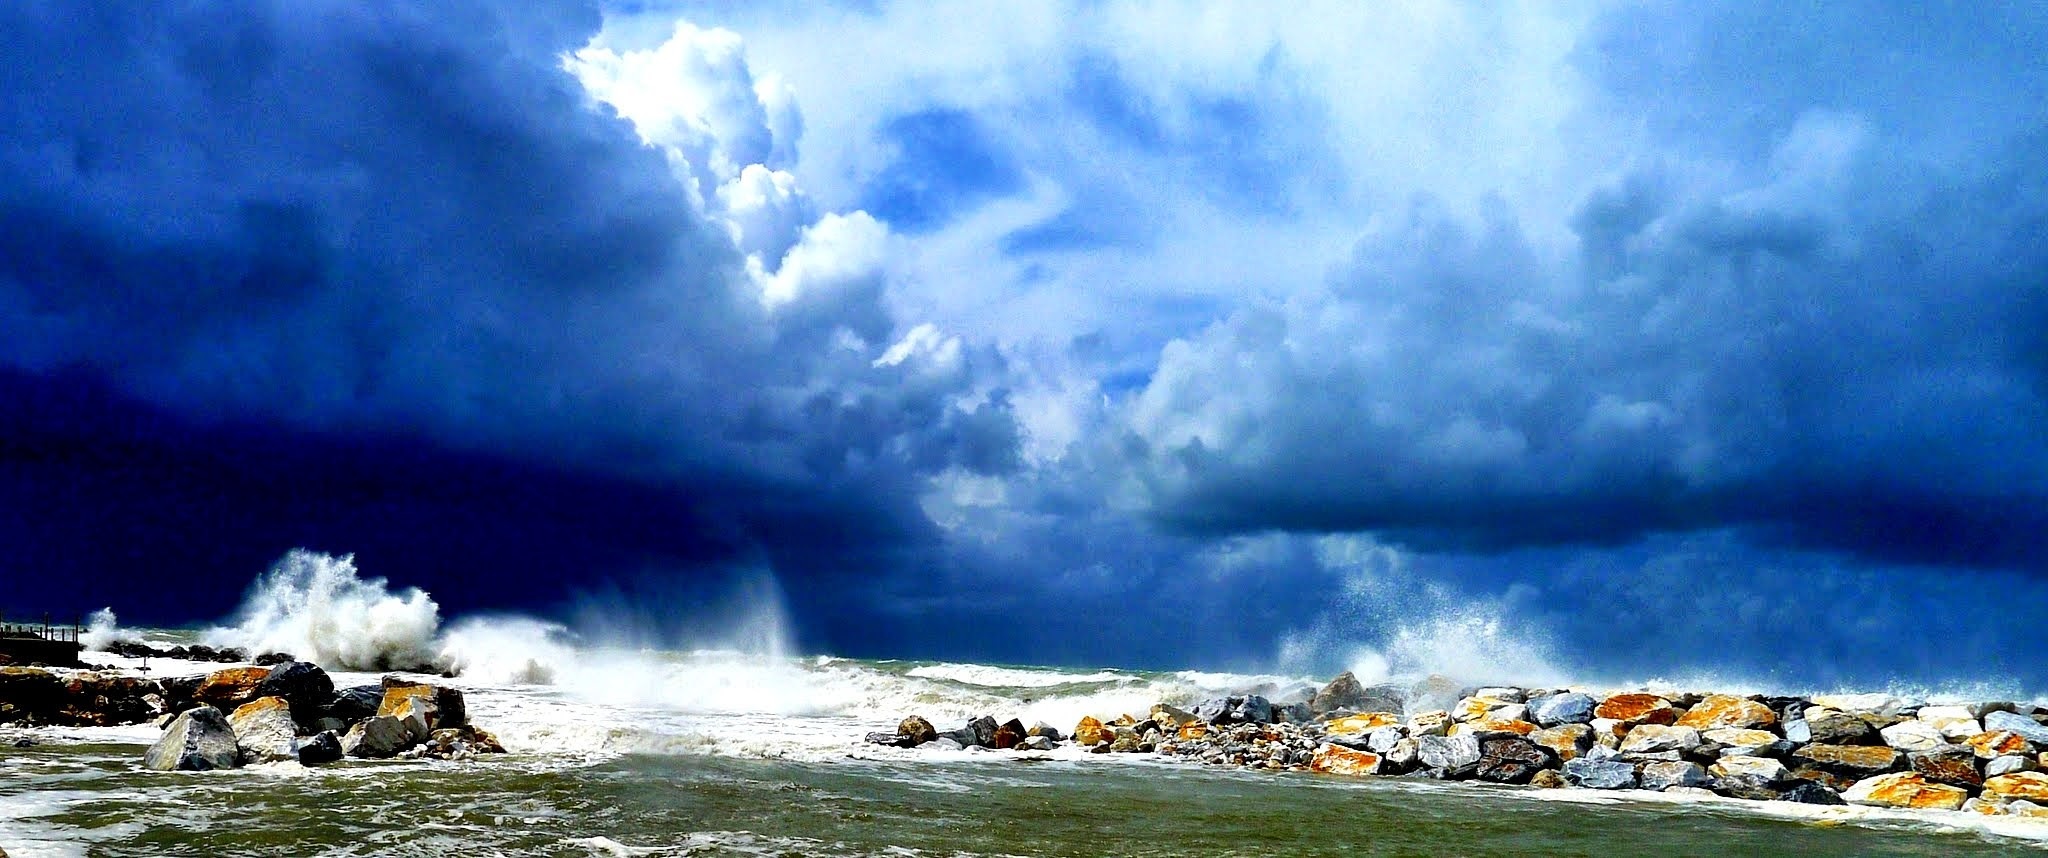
{"type": "Point", "coordinates": [1169, 716]}
{"type": "Point", "coordinates": [1636, 708]}
{"type": "Point", "coordinates": [1504, 693]}
{"type": "Point", "coordinates": [198, 740]}
{"type": "Point", "coordinates": [320, 749]}
{"type": "Point", "coordinates": [105, 700]}
{"type": "Point", "coordinates": [1403, 756]}
{"type": "Point", "coordinates": [1510, 761]}
{"type": "Point", "coordinates": [1039, 743]}
{"type": "Point", "coordinates": [1955, 765]}
{"type": "Point", "coordinates": [1904, 789]}
{"type": "Point", "coordinates": [265, 731]}
{"type": "Point", "coordinates": [448, 706]}
{"type": "Point", "coordinates": [1600, 774]}
{"type": "Point", "coordinates": [2019, 725]}
{"type": "Point", "coordinates": [1382, 740]}
{"type": "Point", "coordinates": [2008, 764]}
{"type": "Point", "coordinates": [1435, 722]}
{"type": "Point", "coordinates": [1195, 729]}
{"type": "Point", "coordinates": [1762, 768]}
{"type": "Point", "coordinates": [1749, 787]}
{"type": "Point", "coordinates": [1384, 698]}
{"type": "Point", "coordinates": [1359, 725]}
{"type": "Point", "coordinates": [1549, 779]}
{"type": "Point", "coordinates": [1340, 760]}
{"type": "Point", "coordinates": [1880, 704]}
{"type": "Point", "coordinates": [1912, 736]}
{"type": "Point", "coordinates": [417, 713]}
{"type": "Point", "coordinates": [29, 695]}
{"type": "Point", "coordinates": [1647, 739]}
{"type": "Point", "coordinates": [379, 737]}
{"type": "Point", "coordinates": [1009, 735]}
{"type": "Point", "coordinates": [1049, 731]}
{"type": "Point", "coordinates": [2027, 785]}
{"type": "Point", "coordinates": [1721, 710]}
{"type": "Point", "coordinates": [1343, 693]}
{"type": "Point", "coordinates": [1665, 775]}
{"type": "Point", "coordinates": [1831, 727]}
{"type": "Point", "coordinates": [916, 731]}
{"type": "Point", "coordinates": [1432, 693]}
{"type": "Point", "coordinates": [1955, 723]}
{"type": "Point", "coordinates": [1493, 728]}
{"type": "Point", "coordinates": [978, 732]}
{"type": "Point", "coordinates": [1455, 756]}
{"type": "Point", "coordinates": [227, 689]}
{"type": "Point", "coordinates": [1996, 743]}
{"type": "Point", "coordinates": [1559, 709]}
{"type": "Point", "coordinates": [1477, 708]}
{"type": "Point", "coordinates": [1293, 713]}
{"type": "Point", "coordinates": [1566, 741]}
{"type": "Point", "coordinates": [1252, 709]}
{"type": "Point", "coordinates": [1852, 761]}
{"type": "Point", "coordinates": [355, 704]}
{"type": "Point", "coordinates": [1741, 742]}
{"type": "Point", "coordinates": [1091, 732]}
{"type": "Point", "coordinates": [1808, 792]}
{"type": "Point", "coordinates": [302, 685]}
{"type": "Point", "coordinates": [1797, 731]}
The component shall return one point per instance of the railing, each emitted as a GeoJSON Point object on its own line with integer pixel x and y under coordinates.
{"type": "Point", "coordinates": [44, 630]}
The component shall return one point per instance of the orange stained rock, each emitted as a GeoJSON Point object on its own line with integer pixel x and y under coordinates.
{"type": "Point", "coordinates": [228, 688]}
{"type": "Point", "coordinates": [1906, 789]}
{"type": "Point", "coordinates": [1637, 708]}
{"type": "Point", "coordinates": [1339, 760]}
{"type": "Point", "coordinates": [1361, 724]}
{"type": "Point", "coordinates": [1721, 710]}
{"type": "Point", "coordinates": [2032, 786]}
{"type": "Point", "coordinates": [1091, 731]}
{"type": "Point", "coordinates": [1996, 743]}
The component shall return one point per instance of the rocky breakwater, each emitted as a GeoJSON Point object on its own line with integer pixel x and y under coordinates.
{"type": "Point", "coordinates": [1988, 757]}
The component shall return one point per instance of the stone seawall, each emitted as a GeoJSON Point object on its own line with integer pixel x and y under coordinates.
{"type": "Point", "coordinates": [1988, 757]}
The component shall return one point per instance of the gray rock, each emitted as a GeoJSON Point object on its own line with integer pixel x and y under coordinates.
{"type": "Point", "coordinates": [1912, 736]}
{"type": "Point", "coordinates": [1253, 709]}
{"type": "Point", "coordinates": [1839, 728]}
{"type": "Point", "coordinates": [383, 736]}
{"type": "Point", "coordinates": [2020, 725]}
{"type": "Point", "coordinates": [943, 743]}
{"type": "Point", "coordinates": [1504, 694]}
{"type": "Point", "coordinates": [1039, 743]}
{"type": "Point", "coordinates": [1665, 775]}
{"type": "Point", "coordinates": [265, 731]}
{"type": "Point", "coordinates": [320, 749]}
{"type": "Point", "coordinates": [1404, 755]}
{"type": "Point", "coordinates": [1600, 774]}
{"type": "Point", "coordinates": [1215, 710]}
{"type": "Point", "coordinates": [1385, 698]}
{"type": "Point", "coordinates": [981, 731]}
{"type": "Point", "coordinates": [303, 685]}
{"type": "Point", "coordinates": [1343, 693]}
{"type": "Point", "coordinates": [1456, 756]}
{"type": "Point", "coordinates": [1047, 730]}
{"type": "Point", "coordinates": [1764, 769]}
{"type": "Point", "coordinates": [1382, 740]}
{"type": "Point", "coordinates": [198, 740]}
{"type": "Point", "coordinates": [1433, 692]}
{"type": "Point", "coordinates": [1647, 739]}
{"type": "Point", "coordinates": [1293, 713]}
{"type": "Point", "coordinates": [1511, 761]}
{"type": "Point", "coordinates": [1564, 709]}
{"type": "Point", "coordinates": [1808, 792]}
{"type": "Point", "coordinates": [2007, 764]}
{"type": "Point", "coordinates": [355, 704]}
{"type": "Point", "coordinates": [1797, 731]}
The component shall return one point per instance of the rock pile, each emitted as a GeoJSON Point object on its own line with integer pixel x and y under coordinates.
{"type": "Point", "coordinates": [1870, 749]}
{"type": "Point", "coordinates": [293, 712]}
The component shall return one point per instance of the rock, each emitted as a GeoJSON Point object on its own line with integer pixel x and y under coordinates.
{"type": "Point", "coordinates": [1852, 761]}
{"type": "Point", "coordinates": [1665, 775]}
{"type": "Point", "coordinates": [383, 736]}
{"type": "Point", "coordinates": [1904, 789]}
{"type": "Point", "coordinates": [1955, 765]}
{"type": "Point", "coordinates": [227, 689]}
{"type": "Point", "coordinates": [1740, 742]}
{"type": "Point", "coordinates": [198, 740]}
{"type": "Point", "coordinates": [320, 749]}
{"type": "Point", "coordinates": [1490, 728]}
{"type": "Point", "coordinates": [1549, 779]}
{"type": "Point", "coordinates": [1215, 710]}
{"type": "Point", "coordinates": [1038, 743]}
{"type": "Point", "coordinates": [916, 731]}
{"type": "Point", "coordinates": [417, 713]}
{"type": "Point", "coordinates": [1955, 723]}
{"type": "Point", "coordinates": [977, 733]}
{"type": "Point", "coordinates": [1510, 761]}
{"type": "Point", "coordinates": [1195, 729]}
{"type": "Point", "coordinates": [355, 704]}
{"type": "Point", "coordinates": [1600, 774]}
{"type": "Point", "coordinates": [2019, 725]}
{"type": "Point", "coordinates": [2021, 808]}
{"type": "Point", "coordinates": [1996, 743]}
{"type": "Point", "coordinates": [1404, 755]}
{"type": "Point", "coordinates": [448, 708]}
{"type": "Point", "coordinates": [29, 695]}
{"type": "Point", "coordinates": [1831, 727]}
{"type": "Point", "coordinates": [1359, 725]}
{"type": "Point", "coordinates": [1343, 693]}
{"type": "Point", "coordinates": [1091, 732]}
{"type": "Point", "coordinates": [1503, 693]}
{"type": "Point", "coordinates": [1656, 738]}
{"type": "Point", "coordinates": [1252, 709]}
{"type": "Point", "coordinates": [1171, 716]}
{"type": "Point", "coordinates": [1881, 704]}
{"type": "Point", "coordinates": [1456, 756]}
{"type": "Point", "coordinates": [1559, 709]}
{"type": "Point", "coordinates": [1435, 722]}
{"type": "Point", "coordinates": [1798, 732]}
{"type": "Point", "coordinates": [1567, 741]}
{"type": "Point", "coordinates": [1981, 709]}
{"type": "Point", "coordinates": [941, 744]}
{"type": "Point", "coordinates": [1382, 740]}
{"type": "Point", "coordinates": [2007, 764]}
{"type": "Point", "coordinates": [1747, 787]}
{"type": "Point", "coordinates": [1808, 792]}
{"type": "Point", "coordinates": [1764, 769]}
{"type": "Point", "coordinates": [1720, 710]}
{"type": "Point", "coordinates": [104, 700]}
{"type": "Point", "coordinates": [1340, 760]}
{"type": "Point", "coordinates": [1635, 709]}
{"type": "Point", "coordinates": [302, 685]}
{"type": "Point", "coordinates": [1293, 713]}
{"type": "Point", "coordinates": [265, 731]}
{"type": "Point", "coordinates": [1384, 698]}
{"type": "Point", "coordinates": [1911, 736]}
{"type": "Point", "coordinates": [2027, 785]}
{"type": "Point", "coordinates": [1009, 735]}
{"type": "Point", "coordinates": [1049, 731]}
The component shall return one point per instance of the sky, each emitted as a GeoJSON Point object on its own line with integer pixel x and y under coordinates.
{"type": "Point", "coordinates": [1554, 340]}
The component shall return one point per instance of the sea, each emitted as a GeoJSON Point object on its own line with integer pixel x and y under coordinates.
{"type": "Point", "coordinates": [631, 749]}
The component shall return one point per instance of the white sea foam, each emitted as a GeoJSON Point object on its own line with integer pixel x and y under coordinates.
{"type": "Point", "coordinates": [317, 607]}
{"type": "Point", "coordinates": [102, 630]}
{"type": "Point", "coordinates": [1010, 677]}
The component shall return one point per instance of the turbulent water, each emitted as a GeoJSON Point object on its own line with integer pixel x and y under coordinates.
{"type": "Point", "coordinates": [639, 751]}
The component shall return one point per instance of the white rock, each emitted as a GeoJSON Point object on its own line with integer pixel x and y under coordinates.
{"type": "Point", "coordinates": [1882, 704]}
{"type": "Point", "coordinates": [1656, 738]}
{"type": "Point", "coordinates": [264, 731]}
{"type": "Point", "coordinates": [1503, 694]}
{"type": "Point", "coordinates": [1764, 767]}
{"type": "Point", "coordinates": [2007, 764]}
{"type": "Point", "coordinates": [1912, 736]}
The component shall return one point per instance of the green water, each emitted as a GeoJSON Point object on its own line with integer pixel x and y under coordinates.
{"type": "Point", "coordinates": [59, 799]}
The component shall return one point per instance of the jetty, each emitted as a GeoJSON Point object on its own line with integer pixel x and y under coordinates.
{"type": "Point", "coordinates": [40, 643]}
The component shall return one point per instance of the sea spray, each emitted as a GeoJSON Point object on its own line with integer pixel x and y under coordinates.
{"type": "Point", "coordinates": [317, 607]}
{"type": "Point", "coordinates": [103, 630]}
